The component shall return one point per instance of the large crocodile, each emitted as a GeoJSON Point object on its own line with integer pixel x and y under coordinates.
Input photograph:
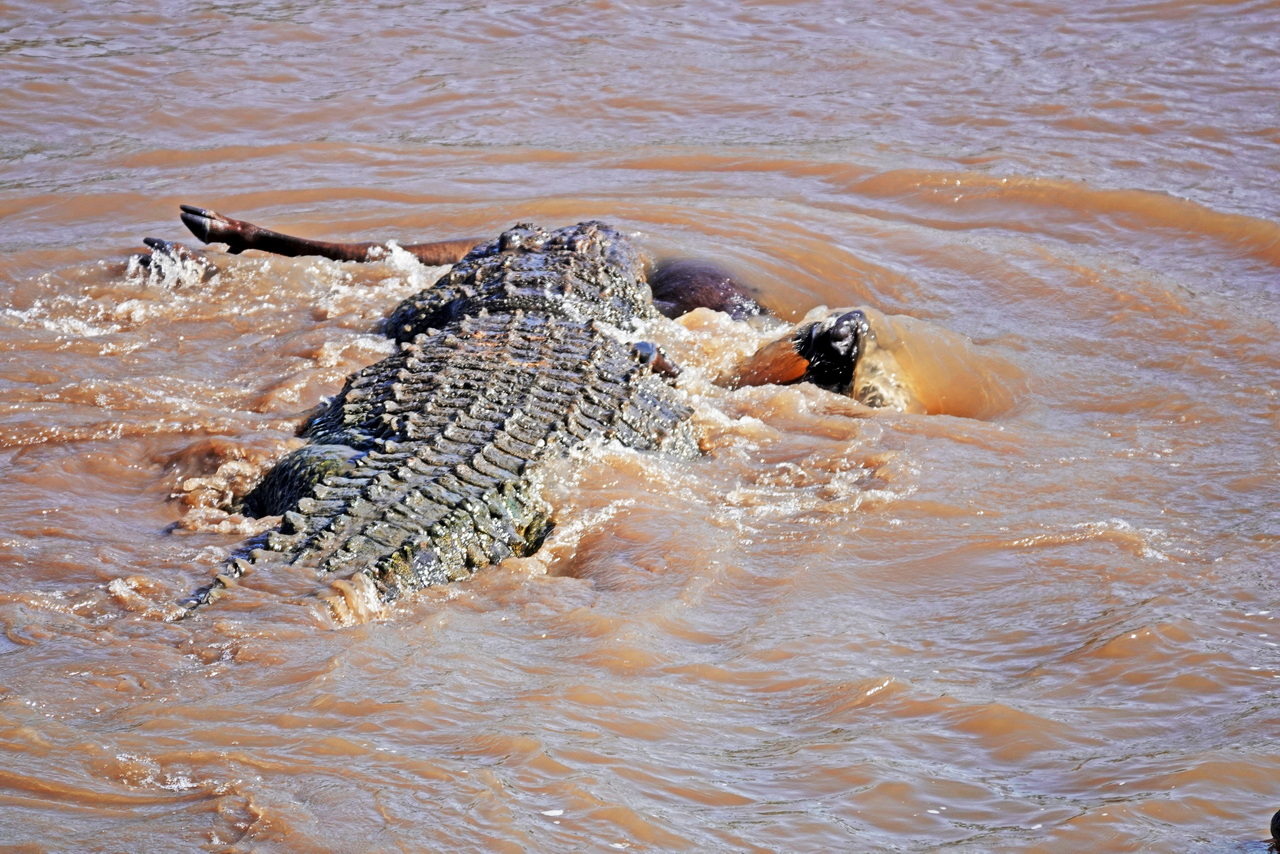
{"type": "Point", "coordinates": [426, 466]}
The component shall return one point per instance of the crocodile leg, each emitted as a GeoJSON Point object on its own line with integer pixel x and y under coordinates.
{"type": "Point", "coordinates": [212, 227]}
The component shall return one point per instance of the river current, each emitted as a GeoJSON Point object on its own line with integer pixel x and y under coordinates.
{"type": "Point", "coordinates": [1050, 625]}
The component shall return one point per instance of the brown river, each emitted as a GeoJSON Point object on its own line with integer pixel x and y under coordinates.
{"type": "Point", "coordinates": [1050, 624]}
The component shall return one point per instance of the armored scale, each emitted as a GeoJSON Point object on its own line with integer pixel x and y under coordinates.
{"type": "Point", "coordinates": [425, 467]}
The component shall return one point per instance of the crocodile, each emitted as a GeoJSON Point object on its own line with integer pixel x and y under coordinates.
{"type": "Point", "coordinates": [427, 465]}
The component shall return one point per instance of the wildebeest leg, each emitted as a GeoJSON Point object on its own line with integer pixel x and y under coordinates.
{"type": "Point", "coordinates": [680, 286]}
{"type": "Point", "coordinates": [212, 227]}
{"type": "Point", "coordinates": [824, 353]}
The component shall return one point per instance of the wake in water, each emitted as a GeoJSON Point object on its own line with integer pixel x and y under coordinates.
{"type": "Point", "coordinates": [382, 515]}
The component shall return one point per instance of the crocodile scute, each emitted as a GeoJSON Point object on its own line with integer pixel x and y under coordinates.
{"type": "Point", "coordinates": [426, 466]}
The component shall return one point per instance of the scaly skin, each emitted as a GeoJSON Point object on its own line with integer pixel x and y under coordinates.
{"type": "Point", "coordinates": [426, 466]}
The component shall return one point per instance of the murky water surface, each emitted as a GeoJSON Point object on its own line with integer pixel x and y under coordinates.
{"type": "Point", "coordinates": [1053, 627]}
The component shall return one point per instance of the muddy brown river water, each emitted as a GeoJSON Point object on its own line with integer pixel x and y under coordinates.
{"type": "Point", "coordinates": [1051, 627]}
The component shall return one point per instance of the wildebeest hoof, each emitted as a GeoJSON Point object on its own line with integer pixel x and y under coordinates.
{"type": "Point", "coordinates": [212, 227]}
{"type": "Point", "coordinates": [173, 261]}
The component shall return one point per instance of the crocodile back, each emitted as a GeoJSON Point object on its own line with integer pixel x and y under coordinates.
{"type": "Point", "coordinates": [587, 271]}
{"type": "Point", "coordinates": [428, 465]}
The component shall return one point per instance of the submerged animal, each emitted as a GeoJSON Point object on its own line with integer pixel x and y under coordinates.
{"type": "Point", "coordinates": [426, 466]}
